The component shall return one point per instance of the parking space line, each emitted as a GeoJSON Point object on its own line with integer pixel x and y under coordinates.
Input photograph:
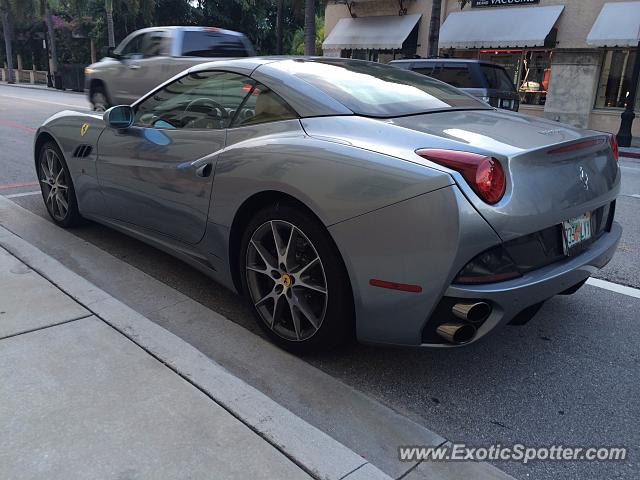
{"type": "Point", "coordinates": [634, 169]}
{"type": "Point", "coordinates": [614, 287]}
{"type": "Point", "coordinates": [24, 194]}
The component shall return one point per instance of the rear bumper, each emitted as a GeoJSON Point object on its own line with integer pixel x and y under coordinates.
{"type": "Point", "coordinates": [511, 297]}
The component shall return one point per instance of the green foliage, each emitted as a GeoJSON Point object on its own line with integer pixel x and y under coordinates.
{"type": "Point", "coordinates": [77, 21]}
{"type": "Point", "coordinates": [297, 42]}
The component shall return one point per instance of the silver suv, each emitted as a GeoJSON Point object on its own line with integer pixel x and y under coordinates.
{"type": "Point", "coordinates": [485, 80]}
{"type": "Point", "coordinates": [148, 57]}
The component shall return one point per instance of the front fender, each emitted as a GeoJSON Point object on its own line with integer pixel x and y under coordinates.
{"type": "Point", "coordinates": [70, 130]}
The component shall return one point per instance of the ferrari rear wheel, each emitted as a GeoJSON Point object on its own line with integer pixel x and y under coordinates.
{"type": "Point", "coordinates": [56, 186]}
{"type": "Point", "coordinates": [295, 281]}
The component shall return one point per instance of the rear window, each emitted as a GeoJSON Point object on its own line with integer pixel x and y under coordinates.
{"type": "Point", "coordinates": [456, 76]}
{"type": "Point", "coordinates": [212, 44]}
{"type": "Point", "coordinates": [377, 90]}
{"type": "Point", "coordinates": [497, 78]}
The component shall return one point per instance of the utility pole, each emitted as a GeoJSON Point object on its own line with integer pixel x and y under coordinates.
{"type": "Point", "coordinates": [624, 136]}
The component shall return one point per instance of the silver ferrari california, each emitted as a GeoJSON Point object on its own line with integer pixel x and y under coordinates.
{"type": "Point", "coordinates": [344, 199]}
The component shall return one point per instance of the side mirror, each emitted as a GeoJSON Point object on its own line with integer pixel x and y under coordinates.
{"type": "Point", "coordinates": [110, 52]}
{"type": "Point", "coordinates": [119, 117]}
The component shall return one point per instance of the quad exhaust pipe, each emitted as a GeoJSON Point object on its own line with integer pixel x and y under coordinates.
{"type": "Point", "coordinates": [476, 312]}
{"type": "Point", "coordinates": [458, 333]}
{"type": "Point", "coordinates": [471, 314]}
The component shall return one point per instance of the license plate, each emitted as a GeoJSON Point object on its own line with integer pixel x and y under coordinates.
{"type": "Point", "coordinates": [507, 103]}
{"type": "Point", "coordinates": [576, 231]}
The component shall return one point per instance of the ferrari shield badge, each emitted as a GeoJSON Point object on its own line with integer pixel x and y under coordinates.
{"type": "Point", "coordinates": [83, 129]}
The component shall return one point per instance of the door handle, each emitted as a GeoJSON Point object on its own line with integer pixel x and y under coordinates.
{"type": "Point", "coordinates": [134, 66]}
{"type": "Point", "coordinates": [204, 170]}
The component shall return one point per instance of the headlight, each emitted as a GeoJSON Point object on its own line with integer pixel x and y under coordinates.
{"type": "Point", "coordinates": [88, 70]}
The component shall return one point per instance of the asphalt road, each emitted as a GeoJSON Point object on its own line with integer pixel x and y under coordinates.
{"type": "Point", "coordinates": [570, 376]}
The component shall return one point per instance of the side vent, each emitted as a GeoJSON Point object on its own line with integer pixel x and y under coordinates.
{"type": "Point", "coordinates": [82, 151]}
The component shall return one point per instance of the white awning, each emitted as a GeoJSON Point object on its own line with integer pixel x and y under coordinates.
{"type": "Point", "coordinates": [618, 25]}
{"type": "Point", "coordinates": [383, 33]}
{"type": "Point", "coordinates": [501, 28]}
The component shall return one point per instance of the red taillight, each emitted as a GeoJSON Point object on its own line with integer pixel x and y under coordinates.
{"type": "Point", "coordinates": [614, 146]}
{"type": "Point", "coordinates": [484, 174]}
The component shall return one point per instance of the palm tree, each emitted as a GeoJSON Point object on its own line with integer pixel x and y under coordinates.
{"type": "Point", "coordinates": [7, 28]}
{"type": "Point", "coordinates": [434, 26]}
{"type": "Point", "coordinates": [309, 27]}
{"type": "Point", "coordinates": [279, 27]}
{"type": "Point", "coordinates": [108, 7]}
{"type": "Point", "coordinates": [45, 11]}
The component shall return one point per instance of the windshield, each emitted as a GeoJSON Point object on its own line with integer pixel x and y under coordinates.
{"type": "Point", "coordinates": [497, 78]}
{"type": "Point", "coordinates": [377, 90]}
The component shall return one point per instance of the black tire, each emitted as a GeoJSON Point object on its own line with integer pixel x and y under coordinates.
{"type": "Point", "coordinates": [71, 216]}
{"type": "Point", "coordinates": [337, 325]}
{"type": "Point", "coordinates": [99, 98]}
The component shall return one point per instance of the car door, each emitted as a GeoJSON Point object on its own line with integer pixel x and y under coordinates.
{"type": "Point", "coordinates": [158, 174]}
{"type": "Point", "coordinates": [123, 82]}
{"type": "Point", "coordinates": [153, 67]}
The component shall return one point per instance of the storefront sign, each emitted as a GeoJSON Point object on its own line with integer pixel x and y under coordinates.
{"type": "Point", "coordinates": [501, 3]}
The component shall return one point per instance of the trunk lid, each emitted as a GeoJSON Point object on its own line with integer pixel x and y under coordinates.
{"type": "Point", "coordinates": [554, 172]}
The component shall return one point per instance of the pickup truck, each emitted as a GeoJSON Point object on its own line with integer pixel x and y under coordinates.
{"type": "Point", "coordinates": [150, 56]}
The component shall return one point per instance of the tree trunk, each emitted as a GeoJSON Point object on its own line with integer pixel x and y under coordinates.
{"type": "Point", "coordinates": [92, 48]}
{"type": "Point", "coordinates": [6, 29]}
{"type": "Point", "coordinates": [279, 28]}
{"type": "Point", "coordinates": [434, 28]}
{"type": "Point", "coordinates": [52, 39]}
{"type": "Point", "coordinates": [309, 27]}
{"type": "Point", "coordinates": [108, 6]}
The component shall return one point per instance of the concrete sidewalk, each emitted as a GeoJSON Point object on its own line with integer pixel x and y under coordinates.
{"type": "Point", "coordinates": [38, 86]}
{"type": "Point", "coordinates": [80, 398]}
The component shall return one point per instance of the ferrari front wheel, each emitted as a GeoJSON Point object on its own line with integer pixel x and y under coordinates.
{"type": "Point", "coordinates": [295, 280]}
{"type": "Point", "coordinates": [57, 187]}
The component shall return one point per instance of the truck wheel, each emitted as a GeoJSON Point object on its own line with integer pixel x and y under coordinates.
{"type": "Point", "coordinates": [99, 99]}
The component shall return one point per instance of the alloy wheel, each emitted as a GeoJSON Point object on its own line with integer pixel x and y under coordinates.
{"type": "Point", "coordinates": [53, 181]}
{"type": "Point", "coordinates": [286, 280]}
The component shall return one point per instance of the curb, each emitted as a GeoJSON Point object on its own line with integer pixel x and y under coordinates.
{"type": "Point", "coordinates": [308, 447]}
{"type": "Point", "coordinates": [39, 86]}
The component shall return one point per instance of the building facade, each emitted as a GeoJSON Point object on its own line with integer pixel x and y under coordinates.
{"type": "Point", "coordinates": [571, 60]}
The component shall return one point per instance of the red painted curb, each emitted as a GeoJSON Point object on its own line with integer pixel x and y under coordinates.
{"type": "Point", "coordinates": [8, 186]}
{"type": "Point", "coordinates": [629, 154]}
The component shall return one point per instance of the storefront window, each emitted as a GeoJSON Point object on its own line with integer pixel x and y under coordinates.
{"type": "Point", "coordinates": [530, 71]}
{"type": "Point", "coordinates": [615, 79]}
